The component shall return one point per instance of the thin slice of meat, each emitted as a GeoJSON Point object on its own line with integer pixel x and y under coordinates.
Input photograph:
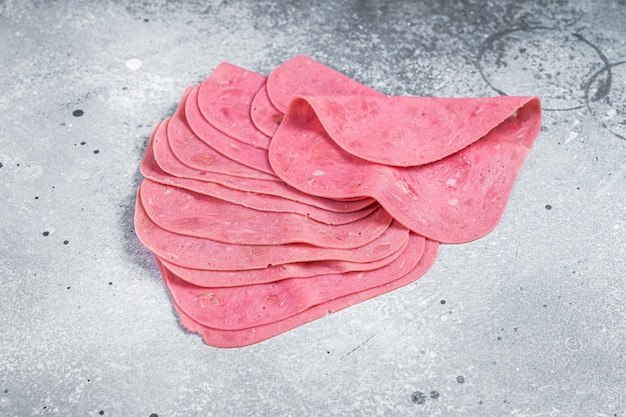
{"type": "Point", "coordinates": [304, 76]}
{"type": "Point", "coordinates": [196, 154]}
{"type": "Point", "coordinates": [258, 201]}
{"type": "Point", "coordinates": [209, 278]}
{"type": "Point", "coordinates": [237, 151]}
{"type": "Point", "coordinates": [234, 308]}
{"type": "Point", "coordinates": [159, 159]}
{"type": "Point", "coordinates": [225, 98]}
{"type": "Point", "coordinates": [198, 253]}
{"type": "Point", "coordinates": [456, 199]}
{"type": "Point", "coordinates": [192, 214]}
{"type": "Point", "coordinates": [263, 114]}
{"type": "Point", "coordinates": [409, 131]}
{"type": "Point", "coordinates": [244, 337]}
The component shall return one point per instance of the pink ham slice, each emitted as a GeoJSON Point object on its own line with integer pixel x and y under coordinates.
{"type": "Point", "coordinates": [263, 114]}
{"type": "Point", "coordinates": [225, 98]}
{"type": "Point", "coordinates": [258, 201]}
{"type": "Point", "coordinates": [244, 337]}
{"type": "Point", "coordinates": [209, 278]}
{"type": "Point", "coordinates": [199, 253]}
{"type": "Point", "coordinates": [187, 148]}
{"type": "Point", "coordinates": [409, 131]}
{"type": "Point", "coordinates": [160, 153]}
{"type": "Point", "coordinates": [243, 153]}
{"type": "Point", "coordinates": [456, 199]}
{"type": "Point", "coordinates": [302, 75]}
{"type": "Point", "coordinates": [234, 308]}
{"type": "Point", "coordinates": [197, 215]}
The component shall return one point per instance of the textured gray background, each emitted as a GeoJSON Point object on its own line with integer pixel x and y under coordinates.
{"type": "Point", "coordinates": [529, 321]}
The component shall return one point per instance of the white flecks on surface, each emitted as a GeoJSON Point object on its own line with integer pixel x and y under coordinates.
{"type": "Point", "coordinates": [133, 64]}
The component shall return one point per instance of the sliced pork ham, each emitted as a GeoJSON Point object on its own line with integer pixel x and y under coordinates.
{"type": "Point", "coordinates": [232, 308]}
{"type": "Point", "coordinates": [243, 337]}
{"type": "Point", "coordinates": [192, 214]}
{"type": "Point", "coordinates": [269, 202]}
{"type": "Point", "coordinates": [456, 199]}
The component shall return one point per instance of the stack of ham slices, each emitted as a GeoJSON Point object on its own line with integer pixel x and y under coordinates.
{"type": "Point", "coordinates": [269, 202]}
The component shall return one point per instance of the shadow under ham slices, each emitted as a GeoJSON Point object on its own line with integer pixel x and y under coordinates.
{"type": "Point", "coordinates": [199, 253]}
{"type": "Point", "coordinates": [225, 99]}
{"type": "Point", "coordinates": [202, 181]}
{"type": "Point", "coordinates": [456, 199]}
{"type": "Point", "coordinates": [244, 337]}
{"type": "Point", "coordinates": [211, 278]}
{"type": "Point", "coordinates": [192, 214]}
{"type": "Point", "coordinates": [233, 308]}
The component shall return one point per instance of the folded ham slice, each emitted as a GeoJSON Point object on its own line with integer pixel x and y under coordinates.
{"type": "Point", "coordinates": [243, 337]}
{"type": "Point", "coordinates": [456, 199]}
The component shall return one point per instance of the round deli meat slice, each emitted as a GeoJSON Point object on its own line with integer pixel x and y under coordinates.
{"type": "Point", "coordinates": [199, 253]}
{"type": "Point", "coordinates": [272, 273]}
{"type": "Point", "coordinates": [233, 308]}
{"type": "Point", "coordinates": [159, 161]}
{"type": "Point", "coordinates": [225, 99]}
{"type": "Point", "coordinates": [243, 337]}
{"type": "Point", "coordinates": [456, 199]}
{"type": "Point", "coordinates": [192, 214]}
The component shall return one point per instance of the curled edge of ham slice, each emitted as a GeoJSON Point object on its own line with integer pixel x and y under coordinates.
{"type": "Point", "coordinates": [455, 199]}
{"type": "Point", "coordinates": [232, 308]}
{"type": "Point", "coordinates": [244, 337]}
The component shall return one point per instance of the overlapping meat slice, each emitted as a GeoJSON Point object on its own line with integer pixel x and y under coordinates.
{"type": "Point", "coordinates": [272, 273]}
{"type": "Point", "coordinates": [456, 199]}
{"type": "Point", "coordinates": [224, 99]}
{"type": "Point", "coordinates": [268, 184]}
{"type": "Point", "coordinates": [232, 308]}
{"type": "Point", "coordinates": [199, 253]}
{"type": "Point", "coordinates": [303, 76]}
{"type": "Point", "coordinates": [193, 214]}
{"type": "Point", "coordinates": [264, 115]}
{"type": "Point", "coordinates": [248, 336]}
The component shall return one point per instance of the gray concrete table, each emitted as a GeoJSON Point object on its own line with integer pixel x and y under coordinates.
{"type": "Point", "coordinates": [528, 321]}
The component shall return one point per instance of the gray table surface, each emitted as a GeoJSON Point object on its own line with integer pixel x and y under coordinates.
{"type": "Point", "coordinates": [528, 321]}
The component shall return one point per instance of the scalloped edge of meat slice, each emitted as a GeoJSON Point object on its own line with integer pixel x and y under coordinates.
{"type": "Point", "coordinates": [245, 337]}
{"type": "Point", "coordinates": [160, 162]}
{"type": "Point", "coordinates": [456, 199]}
{"type": "Point", "coordinates": [272, 273]}
{"type": "Point", "coordinates": [199, 253]}
{"type": "Point", "coordinates": [192, 214]}
{"type": "Point", "coordinates": [225, 99]}
{"type": "Point", "coordinates": [233, 308]}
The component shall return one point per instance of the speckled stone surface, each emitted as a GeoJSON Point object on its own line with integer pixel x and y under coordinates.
{"type": "Point", "coordinates": [528, 321]}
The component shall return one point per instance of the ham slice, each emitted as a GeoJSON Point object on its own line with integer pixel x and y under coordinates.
{"type": "Point", "coordinates": [304, 76]}
{"type": "Point", "coordinates": [243, 337]}
{"type": "Point", "coordinates": [193, 214]}
{"type": "Point", "coordinates": [225, 98]}
{"type": "Point", "coordinates": [456, 199]}
{"type": "Point", "coordinates": [264, 115]}
{"type": "Point", "coordinates": [232, 308]}
{"type": "Point", "coordinates": [211, 278]}
{"type": "Point", "coordinates": [199, 253]}
{"type": "Point", "coordinates": [160, 153]}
